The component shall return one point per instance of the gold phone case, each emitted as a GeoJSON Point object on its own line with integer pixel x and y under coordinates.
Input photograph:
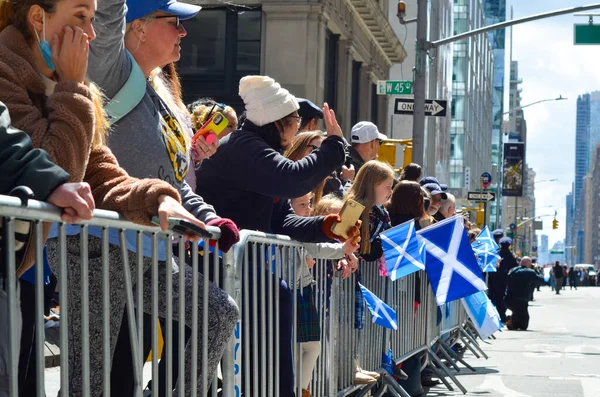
{"type": "Point", "coordinates": [350, 214]}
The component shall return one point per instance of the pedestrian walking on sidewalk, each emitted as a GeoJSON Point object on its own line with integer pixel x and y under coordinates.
{"type": "Point", "coordinates": [573, 278]}
{"type": "Point", "coordinates": [559, 275]}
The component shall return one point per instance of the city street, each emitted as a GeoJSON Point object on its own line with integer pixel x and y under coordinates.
{"type": "Point", "coordinates": [558, 356]}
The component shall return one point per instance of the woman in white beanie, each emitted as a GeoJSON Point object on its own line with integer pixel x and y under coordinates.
{"type": "Point", "coordinates": [250, 182]}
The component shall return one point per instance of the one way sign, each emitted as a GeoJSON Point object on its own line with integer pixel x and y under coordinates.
{"type": "Point", "coordinates": [433, 107]}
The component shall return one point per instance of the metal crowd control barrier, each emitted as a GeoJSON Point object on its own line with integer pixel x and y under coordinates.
{"type": "Point", "coordinates": [12, 210]}
{"type": "Point", "coordinates": [251, 273]}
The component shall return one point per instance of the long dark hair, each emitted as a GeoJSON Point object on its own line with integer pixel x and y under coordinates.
{"type": "Point", "coordinates": [407, 199]}
{"type": "Point", "coordinates": [412, 172]}
{"type": "Point", "coordinates": [271, 132]}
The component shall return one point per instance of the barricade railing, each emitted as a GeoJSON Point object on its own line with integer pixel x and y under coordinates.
{"type": "Point", "coordinates": [261, 273]}
{"type": "Point", "coordinates": [112, 274]}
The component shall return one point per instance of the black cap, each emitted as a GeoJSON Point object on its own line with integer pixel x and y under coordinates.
{"type": "Point", "coordinates": [309, 110]}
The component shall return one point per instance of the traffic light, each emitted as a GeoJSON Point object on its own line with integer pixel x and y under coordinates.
{"type": "Point", "coordinates": [555, 224]}
{"type": "Point", "coordinates": [401, 9]}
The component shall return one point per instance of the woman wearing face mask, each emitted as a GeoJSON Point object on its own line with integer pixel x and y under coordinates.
{"type": "Point", "coordinates": [153, 139]}
{"type": "Point", "coordinates": [43, 62]}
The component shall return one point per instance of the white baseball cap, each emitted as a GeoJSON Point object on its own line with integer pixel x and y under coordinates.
{"type": "Point", "coordinates": [365, 132]}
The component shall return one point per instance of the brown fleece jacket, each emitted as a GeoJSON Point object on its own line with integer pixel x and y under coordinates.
{"type": "Point", "coordinates": [63, 125]}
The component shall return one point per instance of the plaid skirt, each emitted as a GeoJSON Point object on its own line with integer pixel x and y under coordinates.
{"type": "Point", "coordinates": [309, 327]}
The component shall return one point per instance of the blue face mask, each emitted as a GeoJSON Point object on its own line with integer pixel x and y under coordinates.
{"type": "Point", "coordinates": [44, 46]}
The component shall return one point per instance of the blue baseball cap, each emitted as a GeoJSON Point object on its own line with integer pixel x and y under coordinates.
{"type": "Point", "coordinates": [434, 189]}
{"type": "Point", "coordinates": [140, 8]}
{"type": "Point", "coordinates": [431, 179]}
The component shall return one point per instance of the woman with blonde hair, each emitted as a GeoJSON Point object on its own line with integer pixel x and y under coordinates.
{"type": "Point", "coordinates": [304, 144]}
{"type": "Point", "coordinates": [44, 47]}
{"type": "Point", "coordinates": [153, 139]}
{"type": "Point", "coordinates": [372, 188]}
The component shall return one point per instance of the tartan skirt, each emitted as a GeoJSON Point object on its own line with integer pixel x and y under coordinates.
{"type": "Point", "coordinates": [309, 327]}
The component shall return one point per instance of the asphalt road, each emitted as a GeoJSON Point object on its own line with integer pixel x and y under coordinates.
{"type": "Point", "coordinates": [559, 356]}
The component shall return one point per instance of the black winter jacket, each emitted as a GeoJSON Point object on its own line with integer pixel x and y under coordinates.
{"type": "Point", "coordinates": [246, 176]}
{"type": "Point", "coordinates": [520, 283]}
{"type": "Point", "coordinates": [22, 165]}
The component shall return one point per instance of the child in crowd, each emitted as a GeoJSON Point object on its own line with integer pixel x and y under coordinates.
{"type": "Point", "coordinates": [372, 188]}
{"type": "Point", "coordinates": [309, 330]}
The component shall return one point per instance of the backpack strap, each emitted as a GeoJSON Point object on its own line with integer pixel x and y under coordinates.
{"type": "Point", "coordinates": [129, 96]}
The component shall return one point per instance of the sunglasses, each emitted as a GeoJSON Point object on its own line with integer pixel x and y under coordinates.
{"type": "Point", "coordinates": [177, 21]}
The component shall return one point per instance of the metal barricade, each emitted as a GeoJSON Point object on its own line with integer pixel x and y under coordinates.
{"type": "Point", "coordinates": [261, 273]}
{"type": "Point", "coordinates": [114, 272]}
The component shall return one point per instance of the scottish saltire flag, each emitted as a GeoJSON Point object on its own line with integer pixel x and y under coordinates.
{"type": "Point", "coordinates": [402, 251]}
{"type": "Point", "coordinates": [485, 241]}
{"type": "Point", "coordinates": [382, 314]}
{"type": "Point", "coordinates": [451, 265]}
{"type": "Point", "coordinates": [487, 251]}
{"type": "Point", "coordinates": [487, 261]}
{"type": "Point", "coordinates": [484, 315]}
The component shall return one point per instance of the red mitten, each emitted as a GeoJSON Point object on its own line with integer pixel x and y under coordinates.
{"type": "Point", "coordinates": [330, 220]}
{"type": "Point", "coordinates": [230, 234]}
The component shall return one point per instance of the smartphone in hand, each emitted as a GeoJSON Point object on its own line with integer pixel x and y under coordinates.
{"type": "Point", "coordinates": [216, 124]}
{"type": "Point", "coordinates": [181, 226]}
{"type": "Point", "coordinates": [350, 214]}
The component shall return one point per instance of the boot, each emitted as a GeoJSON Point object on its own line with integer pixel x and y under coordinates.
{"type": "Point", "coordinates": [374, 375]}
{"type": "Point", "coordinates": [361, 378]}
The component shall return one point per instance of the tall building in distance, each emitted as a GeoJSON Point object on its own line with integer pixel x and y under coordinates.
{"type": "Point", "coordinates": [520, 210]}
{"type": "Point", "coordinates": [543, 254]}
{"type": "Point", "coordinates": [517, 130]}
{"type": "Point", "coordinates": [495, 12]}
{"type": "Point", "coordinates": [472, 93]}
{"type": "Point", "coordinates": [569, 252]}
{"type": "Point", "coordinates": [587, 136]}
{"type": "Point", "coordinates": [591, 189]}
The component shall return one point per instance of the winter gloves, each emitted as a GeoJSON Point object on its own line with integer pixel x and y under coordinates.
{"type": "Point", "coordinates": [230, 233]}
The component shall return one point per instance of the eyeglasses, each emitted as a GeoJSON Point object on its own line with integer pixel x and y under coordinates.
{"type": "Point", "coordinates": [313, 147]}
{"type": "Point", "coordinates": [177, 21]}
{"type": "Point", "coordinates": [298, 120]}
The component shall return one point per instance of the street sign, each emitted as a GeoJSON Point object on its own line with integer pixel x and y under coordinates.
{"type": "Point", "coordinates": [586, 34]}
{"type": "Point", "coordinates": [557, 252]}
{"type": "Point", "coordinates": [481, 196]}
{"type": "Point", "coordinates": [394, 87]}
{"type": "Point", "coordinates": [486, 180]}
{"type": "Point", "coordinates": [433, 107]}
{"type": "Point", "coordinates": [512, 226]}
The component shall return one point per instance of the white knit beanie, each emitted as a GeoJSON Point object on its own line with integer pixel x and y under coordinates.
{"type": "Point", "coordinates": [265, 100]}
